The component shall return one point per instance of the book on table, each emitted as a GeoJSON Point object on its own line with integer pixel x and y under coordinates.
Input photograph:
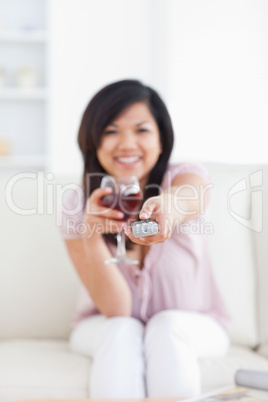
{"type": "Point", "coordinates": [251, 386]}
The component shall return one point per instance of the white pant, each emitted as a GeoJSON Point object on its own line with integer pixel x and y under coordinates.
{"type": "Point", "coordinates": [158, 360]}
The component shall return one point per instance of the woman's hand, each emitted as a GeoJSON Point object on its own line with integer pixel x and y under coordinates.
{"type": "Point", "coordinates": [156, 209]}
{"type": "Point", "coordinates": [186, 199]}
{"type": "Point", "coordinates": [99, 219]}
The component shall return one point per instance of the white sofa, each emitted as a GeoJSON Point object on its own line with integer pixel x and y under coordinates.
{"type": "Point", "coordinates": [38, 286]}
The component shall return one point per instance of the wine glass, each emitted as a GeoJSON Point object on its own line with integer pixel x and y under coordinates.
{"type": "Point", "coordinates": [125, 198]}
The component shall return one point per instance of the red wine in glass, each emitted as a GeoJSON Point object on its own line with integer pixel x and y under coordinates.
{"type": "Point", "coordinates": [127, 202]}
{"type": "Point", "coordinates": [126, 197]}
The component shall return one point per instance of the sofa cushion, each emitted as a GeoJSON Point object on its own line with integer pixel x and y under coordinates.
{"type": "Point", "coordinates": [38, 285]}
{"type": "Point", "coordinates": [41, 369]}
{"type": "Point", "coordinates": [217, 373]}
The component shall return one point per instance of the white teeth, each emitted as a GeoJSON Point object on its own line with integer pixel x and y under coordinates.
{"type": "Point", "coordinates": [131, 159]}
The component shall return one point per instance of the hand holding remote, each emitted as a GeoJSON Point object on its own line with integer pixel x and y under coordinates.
{"type": "Point", "coordinates": [155, 225]}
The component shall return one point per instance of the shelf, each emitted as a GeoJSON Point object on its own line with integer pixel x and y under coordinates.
{"type": "Point", "coordinates": [26, 161]}
{"type": "Point", "coordinates": [24, 36]}
{"type": "Point", "coordinates": [25, 40]}
{"type": "Point", "coordinates": [23, 93]}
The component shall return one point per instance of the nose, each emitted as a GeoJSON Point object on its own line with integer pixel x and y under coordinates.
{"type": "Point", "coordinates": [127, 140]}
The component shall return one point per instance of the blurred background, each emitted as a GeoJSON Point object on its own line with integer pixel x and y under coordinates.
{"type": "Point", "coordinates": [208, 59]}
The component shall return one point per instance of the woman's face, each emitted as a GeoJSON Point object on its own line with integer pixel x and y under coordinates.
{"type": "Point", "coordinates": [130, 145]}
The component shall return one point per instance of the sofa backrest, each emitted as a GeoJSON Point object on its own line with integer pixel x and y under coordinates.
{"type": "Point", "coordinates": [239, 216]}
{"type": "Point", "coordinates": [39, 287]}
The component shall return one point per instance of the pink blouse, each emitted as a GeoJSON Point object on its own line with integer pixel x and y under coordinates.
{"type": "Point", "coordinates": [176, 274]}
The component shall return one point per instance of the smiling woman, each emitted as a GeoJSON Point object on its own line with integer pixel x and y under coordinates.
{"type": "Point", "coordinates": [166, 312]}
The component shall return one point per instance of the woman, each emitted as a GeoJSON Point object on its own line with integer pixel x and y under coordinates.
{"type": "Point", "coordinates": [144, 326]}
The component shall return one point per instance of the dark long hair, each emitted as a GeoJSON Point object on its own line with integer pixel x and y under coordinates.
{"type": "Point", "coordinates": [103, 108]}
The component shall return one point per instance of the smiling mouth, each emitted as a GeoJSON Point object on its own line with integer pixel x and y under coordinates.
{"type": "Point", "coordinates": [128, 159]}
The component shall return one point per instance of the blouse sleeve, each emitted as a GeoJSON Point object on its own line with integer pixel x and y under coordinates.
{"type": "Point", "coordinates": [178, 169]}
{"type": "Point", "coordinates": [182, 231]}
{"type": "Point", "coordinates": [70, 212]}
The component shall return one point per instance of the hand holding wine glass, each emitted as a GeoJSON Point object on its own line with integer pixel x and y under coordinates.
{"type": "Point", "coordinates": [125, 197]}
{"type": "Point", "coordinates": [98, 219]}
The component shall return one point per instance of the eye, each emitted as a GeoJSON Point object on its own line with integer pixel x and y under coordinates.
{"type": "Point", "coordinates": [110, 132]}
{"type": "Point", "coordinates": [143, 130]}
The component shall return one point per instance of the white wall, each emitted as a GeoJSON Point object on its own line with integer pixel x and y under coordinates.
{"type": "Point", "coordinates": [207, 58]}
{"type": "Point", "coordinates": [218, 78]}
{"type": "Point", "coordinates": [93, 43]}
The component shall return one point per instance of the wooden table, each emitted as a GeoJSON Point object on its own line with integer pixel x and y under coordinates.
{"type": "Point", "coordinates": [106, 400]}
{"type": "Point", "coordinates": [222, 391]}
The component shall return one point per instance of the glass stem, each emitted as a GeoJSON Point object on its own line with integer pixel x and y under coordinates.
{"type": "Point", "coordinates": [121, 244]}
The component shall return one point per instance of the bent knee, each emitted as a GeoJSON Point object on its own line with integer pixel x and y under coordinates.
{"type": "Point", "coordinates": [163, 319]}
{"type": "Point", "coordinates": [123, 325]}
{"type": "Point", "coordinates": [165, 325]}
{"type": "Point", "coordinates": [83, 337]}
{"type": "Point", "coordinates": [121, 334]}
